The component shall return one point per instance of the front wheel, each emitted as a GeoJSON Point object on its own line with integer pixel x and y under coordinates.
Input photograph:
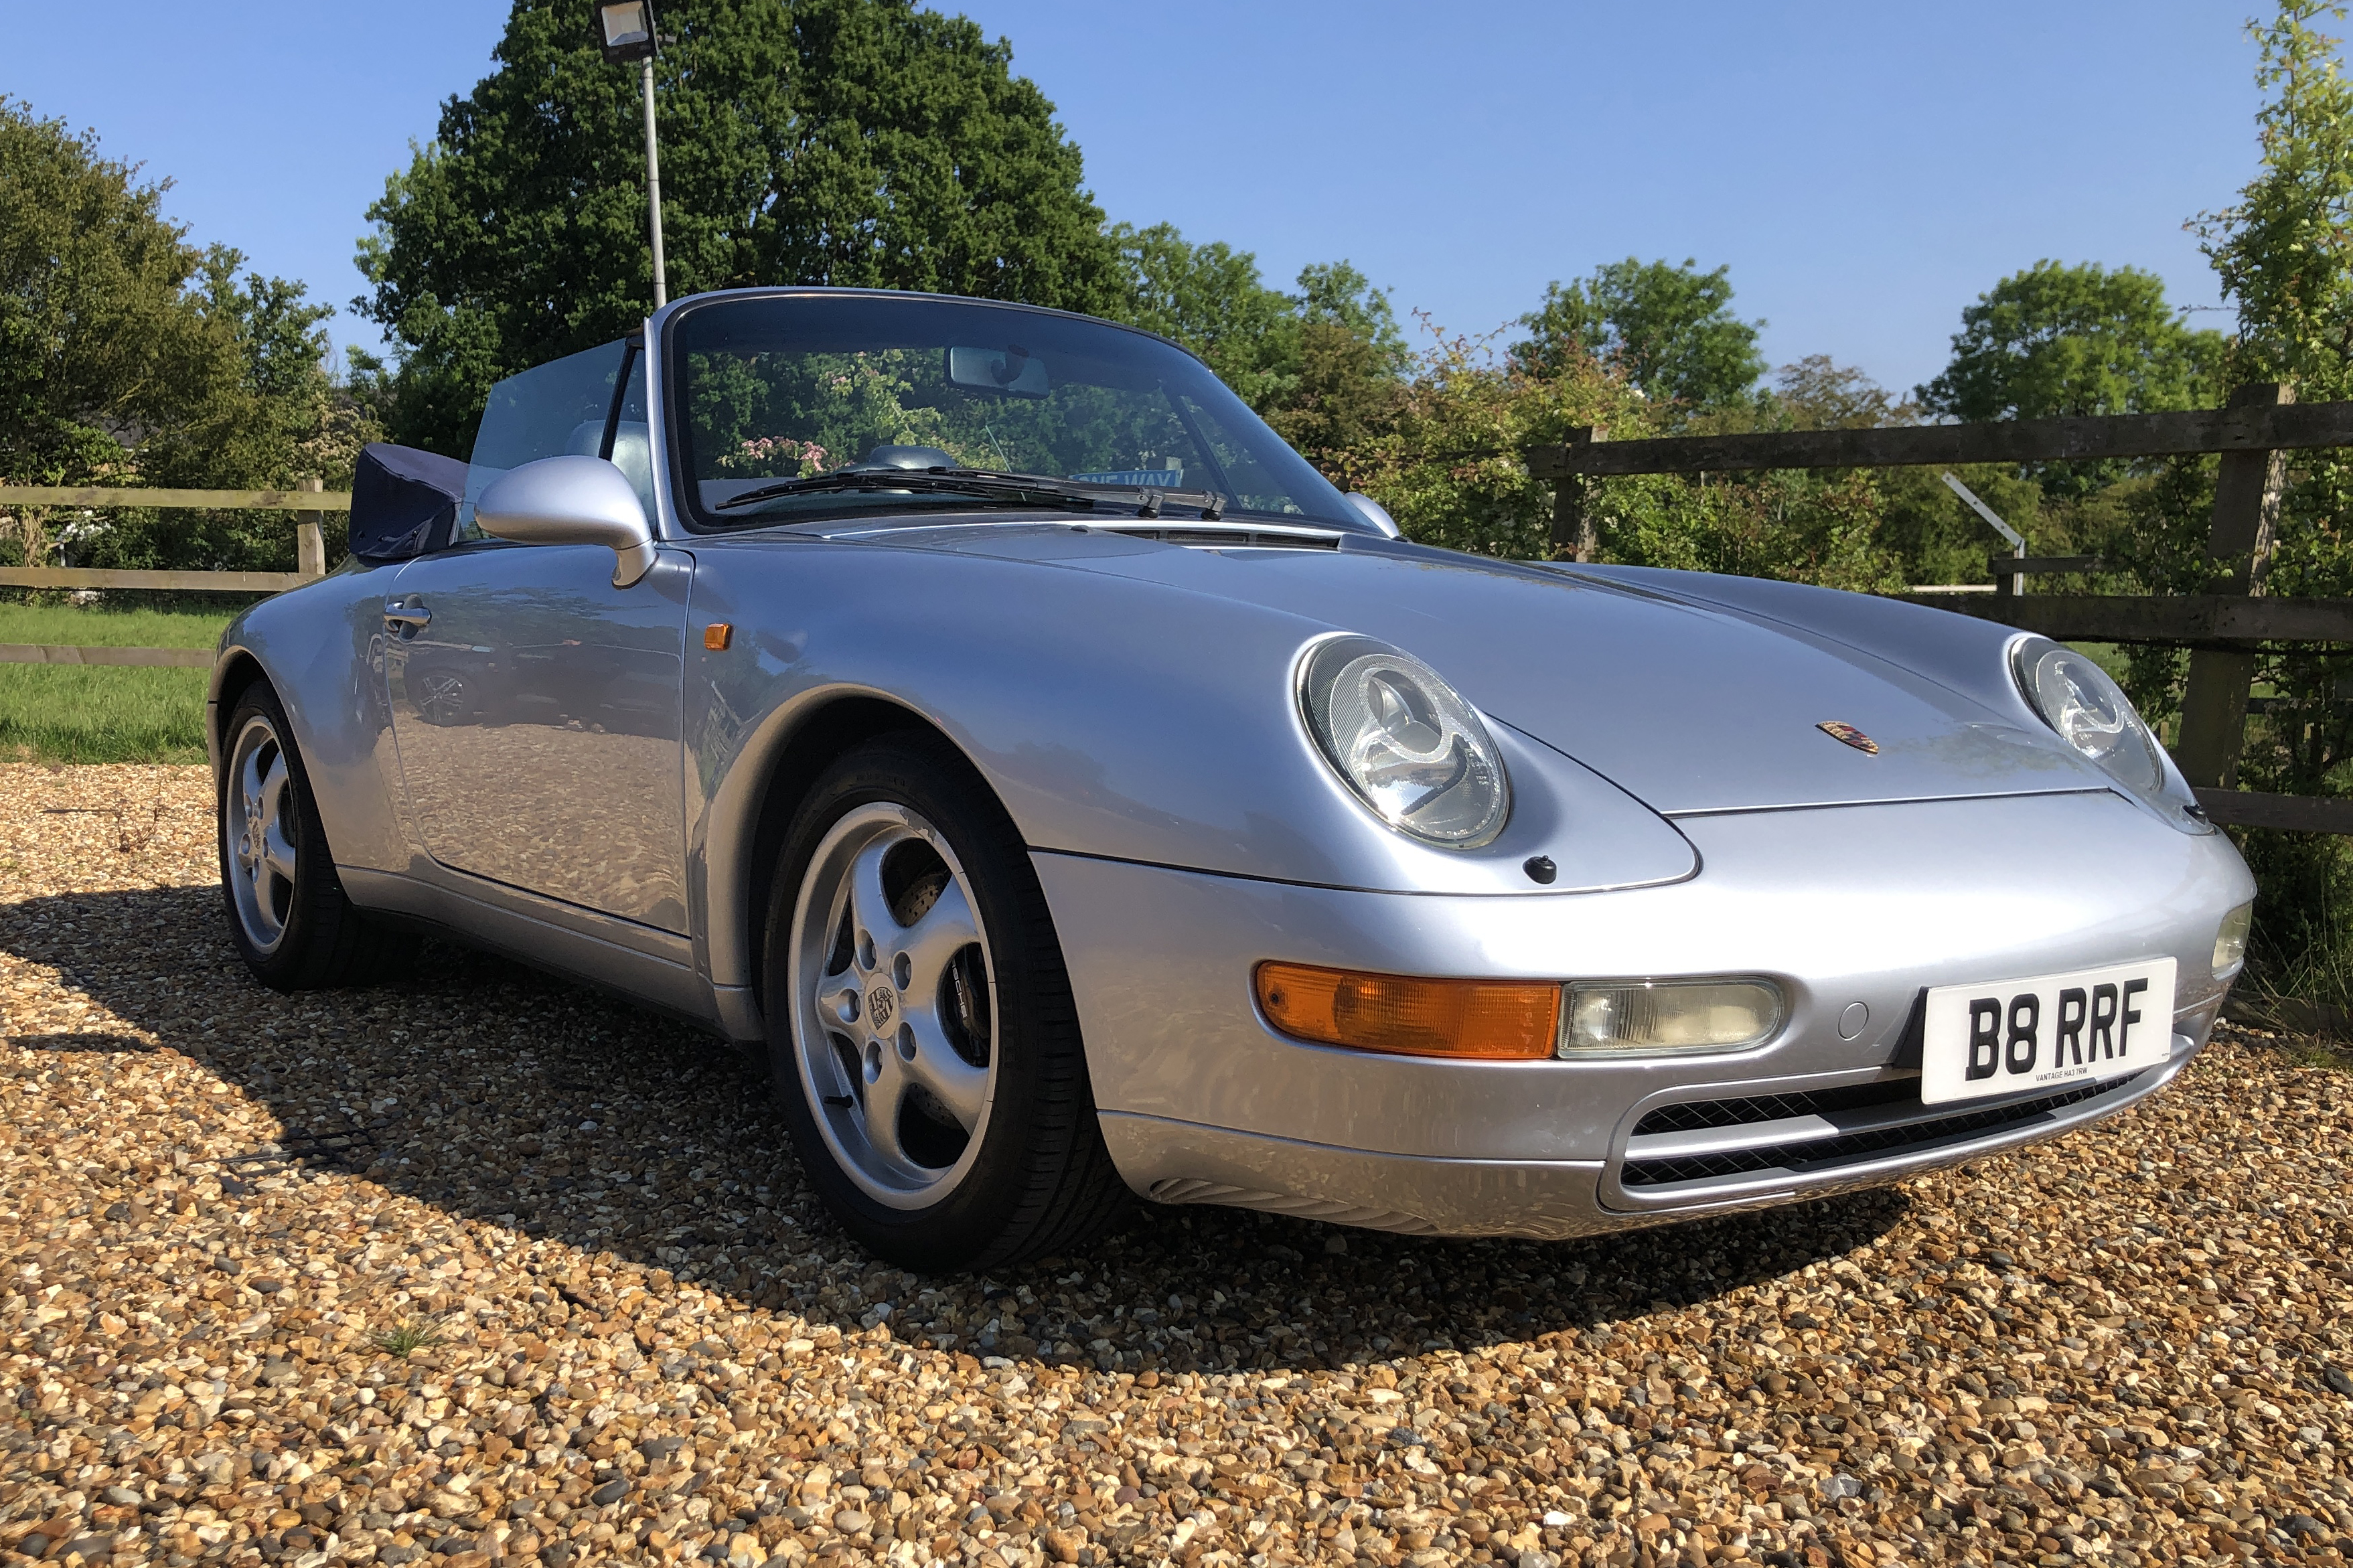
{"type": "Point", "coordinates": [287, 914]}
{"type": "Point", "coordinates": [920, 1024]}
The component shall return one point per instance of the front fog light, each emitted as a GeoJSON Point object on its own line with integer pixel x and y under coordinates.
{"type": "Point", "coordinates": [2230, 941]}
{"type": "Point", "coordinates": [1681, 1015]}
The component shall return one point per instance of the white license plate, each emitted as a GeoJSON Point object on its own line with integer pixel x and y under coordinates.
{"type": "Point", "coordinates": [2011, 1036]}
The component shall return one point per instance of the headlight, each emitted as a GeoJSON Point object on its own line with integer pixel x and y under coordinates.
{"type": "Point", "coordinates": [2091, 713]}
{"type": "Point", "coordinates": [1416, 753]}
{"type": "Point", "coordinates": [2230, 941]}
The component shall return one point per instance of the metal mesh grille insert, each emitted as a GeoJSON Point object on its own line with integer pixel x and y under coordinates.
{"type": "Point", "coordinates": [1695, 1114]}
{"type": "Point", "coordinates": [1818, 1153]}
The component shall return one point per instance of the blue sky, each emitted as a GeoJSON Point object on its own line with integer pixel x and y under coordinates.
{"type": "Point", "coordinates": [1866, 170]}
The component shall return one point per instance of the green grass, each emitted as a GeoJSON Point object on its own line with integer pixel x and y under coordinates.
{"type": "Point", "coordinates": [100, 713]}
{"type": "Point", "coordinates": [416, 1334]}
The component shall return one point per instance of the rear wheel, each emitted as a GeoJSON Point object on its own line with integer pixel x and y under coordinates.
{"type": "Point", "coordinates": [920, 1023]}
{"type": "Point", "coordinates": [287, 912]}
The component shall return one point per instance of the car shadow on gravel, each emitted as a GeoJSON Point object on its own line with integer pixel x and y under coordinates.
{"type": "Point", "coordinates": [495, 1093]}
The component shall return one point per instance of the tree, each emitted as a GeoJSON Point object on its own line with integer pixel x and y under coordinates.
{"type": "Point", "coordinates": [100, 339]}
{"type": "Point", "coordinates": [1211, 299]}
{"type": "Point", "coordinates": [860, 142]}
{"type": "Point", "coordinates": [129, 356]}
{"type": "Point", "coordinates": [2283, 252]}
{"type": "Point", "coordinates": [1670, 329]}
{"type": "Point", "coordinates": [1335, 294]}
{"type": "Point", "coordinates": [2057, 340]}
{"type": "Point", "coordinates": [277, 416]}
{"type": "Point", "coordinates": [1819, 393]}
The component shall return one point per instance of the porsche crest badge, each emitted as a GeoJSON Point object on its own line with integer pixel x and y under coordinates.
{"type": "Point", "coordinates": [1847, 735]}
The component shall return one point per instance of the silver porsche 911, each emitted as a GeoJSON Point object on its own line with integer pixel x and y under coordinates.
{"type": "Point", "coordinates": [977, 709]}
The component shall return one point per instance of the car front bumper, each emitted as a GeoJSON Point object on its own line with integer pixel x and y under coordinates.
{"type": "Point", "coordinates": [1202, 1102]}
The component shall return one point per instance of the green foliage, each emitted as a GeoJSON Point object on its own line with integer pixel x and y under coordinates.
{"type": "Point", "coordinates": [99, 336]}
{"type": "Point", "coordinates": [415, 1332]}
{"type": "Point", "coordinates": [1817, 394]}
{"type": "Point", "coordinates": [1670, 328]}
{"type": "Point", "coordinates": [2056, 339]}
{"type": "Point", "coordinates": [2284, 250]}
{"type": "Point", "coordinates": [2286, 260]}
{"type": "Point", "coordinates": [128, 356]}
{"type": "Point", "coordinates": [1314, 362]}
{"type": "Point", "coordinates": [68, 713]}
{"type": "Point", "coordinates": [1442, 451]}
{"type": "Point", "coordinates": [1335, 294]}
{"type": "Point", "coordinates": [65, 713]}
{"type": "Point", "coordinates": [859, 143]}
{"type": "Point", "coordinates": [2285, 256]}
{"type": "Point", "coordinates": [1211, 299]}
{"type": "Point", "coordinates": [192, 621]}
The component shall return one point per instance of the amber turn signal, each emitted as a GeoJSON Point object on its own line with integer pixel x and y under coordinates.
{"type": "Point", "coordinates": [1512, 1020]}
{"type": "Point", "coordinates": [718, 635]}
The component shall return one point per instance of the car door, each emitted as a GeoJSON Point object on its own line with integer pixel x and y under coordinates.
{"type": "Point", "coordinates": [535, 714]}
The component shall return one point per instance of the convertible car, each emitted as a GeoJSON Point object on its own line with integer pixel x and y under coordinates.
{"type": "Point", "coordinates": [978, 711]}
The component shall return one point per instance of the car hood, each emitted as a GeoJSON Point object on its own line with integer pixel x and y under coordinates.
{"type": "Point", "coordinates": [1689, 707]}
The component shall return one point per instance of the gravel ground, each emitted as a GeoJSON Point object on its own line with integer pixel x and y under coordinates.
{"type": "Point", "coordinates": [491, 1270]}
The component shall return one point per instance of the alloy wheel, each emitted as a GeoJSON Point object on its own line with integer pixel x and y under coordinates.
{"type": "Point", "coordinates": [261, 834]}
{"type": "Point", "coordinates": [894, 1005]}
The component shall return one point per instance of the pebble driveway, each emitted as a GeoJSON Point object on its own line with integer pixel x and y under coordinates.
{"type": "Point", "coordinates": [485, 1269]}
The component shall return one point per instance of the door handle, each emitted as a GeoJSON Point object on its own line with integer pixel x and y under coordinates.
{"type": "Point", "coordinates": [410, 616]}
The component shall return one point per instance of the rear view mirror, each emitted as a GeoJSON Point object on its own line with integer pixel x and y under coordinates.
{"type": "Point", "coordinates": [571, 500]}
{"type": "Point", "coordinates": [1010, 369]}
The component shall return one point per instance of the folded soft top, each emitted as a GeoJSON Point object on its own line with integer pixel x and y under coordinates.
{"type": "Point", "coordinates": [404, 501]}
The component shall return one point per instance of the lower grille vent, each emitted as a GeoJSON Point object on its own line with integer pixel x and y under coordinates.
{"type": "Point", "coordinates": [1881, 1124]}
{"type": "Point", "coordinates": [1692, 1115]}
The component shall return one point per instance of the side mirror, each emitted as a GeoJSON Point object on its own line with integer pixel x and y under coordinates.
{"type": "Point", "coordinates": [571, 500]}
{"type": "Point", "coordinates": [1374, 512]}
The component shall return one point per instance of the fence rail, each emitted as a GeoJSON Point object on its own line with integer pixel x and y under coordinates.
{"type": "Point", "coordinates": [308, 498]}
{"type": "Point", "coordinates": [2249, 427]}
{"type": "Point", "coordinates": [78, 577]}
{"type": "Point", "coordinates": [297, 500]}
{"type": "Point", "coordinates": [2190, 620]}
{"type": "Point", "coordinates": [2224, 626]}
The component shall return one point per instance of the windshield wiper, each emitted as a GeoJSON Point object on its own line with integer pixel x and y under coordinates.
{"type": "Point", "coordinates": [1078, 495]}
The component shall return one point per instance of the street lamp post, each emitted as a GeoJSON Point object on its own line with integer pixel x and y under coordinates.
{"type": "Point", "coordinates": [627, 34]}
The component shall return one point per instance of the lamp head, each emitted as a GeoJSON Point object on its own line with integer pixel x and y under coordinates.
{"type": "Point", "coordinates": [626, 29]}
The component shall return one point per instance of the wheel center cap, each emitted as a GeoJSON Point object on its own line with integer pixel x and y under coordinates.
{"type": "Point", "coordinates": [879, 1006]}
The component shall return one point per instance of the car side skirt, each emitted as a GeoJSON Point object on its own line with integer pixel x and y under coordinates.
{"type": "Point", "coordinates": [648, 965]}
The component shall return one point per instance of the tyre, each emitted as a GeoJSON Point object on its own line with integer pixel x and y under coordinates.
{"type": "Point", "coordinates": [919, 1021]}
{"type": "Point", "coordinates": [287, 912]}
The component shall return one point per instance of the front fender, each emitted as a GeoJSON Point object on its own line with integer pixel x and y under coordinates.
{"type": "Point", "coordinates": [1113, 718]}
{"type": "Point", "coordinates": [320, 648]}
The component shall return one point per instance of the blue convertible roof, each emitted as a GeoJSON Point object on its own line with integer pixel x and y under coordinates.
{"type": "Point", "coordinates": [404, 501]}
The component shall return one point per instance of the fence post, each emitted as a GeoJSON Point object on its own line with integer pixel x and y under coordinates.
{"type": "Point", "coordinates": [1570, 525]}
{"type": "Point", "coordinates": [310, 545]}
{"type": "Point", "coordinates": [2247, 489]}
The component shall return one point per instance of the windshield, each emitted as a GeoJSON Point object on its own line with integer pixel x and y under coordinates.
{"type": "Point", "coordinates": [765, 390]}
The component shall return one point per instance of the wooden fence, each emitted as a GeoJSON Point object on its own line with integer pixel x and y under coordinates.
{"type": "Point", "coordinates": [2224, 626]}
{"type": "Point", "coordinates": [308, 499]}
